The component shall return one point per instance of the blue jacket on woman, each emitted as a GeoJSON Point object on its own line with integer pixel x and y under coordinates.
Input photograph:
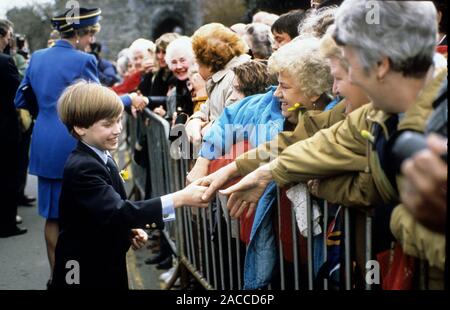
{"type": "Point", "coordinates": [255, 118]}
{"type": "Point", "coordinates": [50, 71]}
{"type": "Point", "coordinates": [264, 111]}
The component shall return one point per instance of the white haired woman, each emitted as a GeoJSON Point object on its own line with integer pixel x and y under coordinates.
{"type": "Point", "coordinates": [141, 55]}
{"type": "Point", "coordinates": [179, 58]}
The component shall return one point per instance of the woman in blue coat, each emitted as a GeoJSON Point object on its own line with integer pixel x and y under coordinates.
{"type": "Point", "coordinates": [50, 71]}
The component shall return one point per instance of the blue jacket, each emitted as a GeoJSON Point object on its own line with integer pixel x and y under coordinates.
{"type": "Point", "coordinates": [50, 71]}
{"type": "Point", "coordinates": [261, 255]}
{"type": "Point", "coordinates": [263, 110]}
{"type": "Point", "coordinates": [255, 118]}
{"type": "Point", "coordinates": [107, 73]}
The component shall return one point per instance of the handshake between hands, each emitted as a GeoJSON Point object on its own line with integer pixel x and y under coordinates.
{"type": "Point", "coordinates": [243, 196]}
{"type": "Point", "coordinates": [138, 103]}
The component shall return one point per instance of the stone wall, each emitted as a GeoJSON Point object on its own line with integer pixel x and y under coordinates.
{"type": "Point", "coordinates": [123, 21]}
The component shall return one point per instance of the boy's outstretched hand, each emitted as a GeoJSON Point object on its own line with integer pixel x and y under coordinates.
{"type": "Point", "coordinates": [138, 238]}
{"type": "Point", "coordinates": [191, 195]}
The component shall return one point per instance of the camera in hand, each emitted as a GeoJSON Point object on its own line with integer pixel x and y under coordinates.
{"type": "Point", "coordinates": [156, 101]}
{"type": "Point", "coordinates": [406, 145]}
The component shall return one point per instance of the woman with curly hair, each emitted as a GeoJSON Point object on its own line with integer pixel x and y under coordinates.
{"type": "Point", "coordinates": [304, 78]}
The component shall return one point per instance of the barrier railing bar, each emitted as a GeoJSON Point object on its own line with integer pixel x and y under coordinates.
{"type": "Point", "coordinates": [310, 239]}
{"type": "Point", "coordinates": [238, 251]}
{"type": "Point", "coordinates": [191, 238]}
{"type": "Point", "coordinates": [324, 229]}
{"type": "Point", "coordinates": [347, 249]}
{"type": "Point", "coordinates": [280, 247]}
{"type": "Point", "coordinates": [213, 250]}
{"type": "Point", "coordinates": [200, 244]}
{"type": "Point", "coordinates": [230, 258]}
{"type": "Point", "coordinates": [186, 232]}
{"type": "Point", "coordinates": [205, 240]}
{"type": "Point", "coordinates": [368, 244]}
{"type": "Point", "coordinates": [219, 227]}
{"type": "Point", "coordinates": [295, 249]}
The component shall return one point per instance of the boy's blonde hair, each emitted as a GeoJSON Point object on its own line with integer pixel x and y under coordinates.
{"type": "Point", "coordinates": [82, 104]}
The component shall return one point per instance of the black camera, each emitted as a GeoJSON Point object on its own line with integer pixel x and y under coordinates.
{"type": "Point", "coordinates": [407, 144]}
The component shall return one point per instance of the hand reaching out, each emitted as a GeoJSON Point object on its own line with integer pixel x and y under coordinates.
{"type": "Point", "coordinates": [191, 195]}
{"type": "Point", "coordinates": [193, 130]}
{"type": "Point", "coordinates": [246, 193]}
{"type": "Point", "coordinates": [217, 180]}
{"type": "Point", "coordinates": [138, 101]}
{"type": "Point", "coordinates": [199, 170]}
{"type": "Point", "coordinates": [138, 238]}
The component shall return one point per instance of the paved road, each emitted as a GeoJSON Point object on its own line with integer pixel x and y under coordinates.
{"type": "Point", "coordinates": [23, 259]}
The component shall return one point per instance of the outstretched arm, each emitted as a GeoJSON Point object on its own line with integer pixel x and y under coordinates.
{"type": "Point", "coordinates": [246, 193]}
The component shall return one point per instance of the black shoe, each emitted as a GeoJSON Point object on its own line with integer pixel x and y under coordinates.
{"type": "Point", "coordinates": [18, 219]}
{"type": "Point", "coordinates": [13, 232]}
{"type": "Point", "coordinates": [165, 264]}
{"type": "Point", "coordinates": [26, 201]}
{"type": "Point", "coordinates": [155, 259]}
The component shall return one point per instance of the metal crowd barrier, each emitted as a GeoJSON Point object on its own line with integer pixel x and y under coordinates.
{"type": "Point", "coordinates": [206, 241]}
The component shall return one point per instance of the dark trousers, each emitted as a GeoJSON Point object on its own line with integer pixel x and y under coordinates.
{"type": "Point", "coordinates": [23, 159]}
{"type": "Point", "coordinates": [8, 188]}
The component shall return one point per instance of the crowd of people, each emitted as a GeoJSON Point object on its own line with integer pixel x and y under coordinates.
{"type": "Point", "coordinates": [325, 101]}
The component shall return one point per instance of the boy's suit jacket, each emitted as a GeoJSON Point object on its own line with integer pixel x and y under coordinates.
{"type": "Point", "coordinates": [95, 222]}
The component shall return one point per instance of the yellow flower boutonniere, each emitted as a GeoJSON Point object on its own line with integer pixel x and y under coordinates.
{"type": "Point", "coordinates": [125, 175]}
{"type": "Point", "coordinates": [294, 107]}
{"type": "Point", "coordinates": [368, 136]}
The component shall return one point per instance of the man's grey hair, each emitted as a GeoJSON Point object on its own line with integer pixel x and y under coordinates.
{"type": "Point", "coordinates": [317, 21]}
{"type": "Point", "coordinates": [259, 38]}
{"type": "Point", "coordinates": [403, 31]}
{"type": "Point", "coordinates": [5, 25]}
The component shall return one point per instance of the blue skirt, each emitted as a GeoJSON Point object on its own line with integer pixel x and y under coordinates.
{"type": "Point", "coordinates": [48, 197]}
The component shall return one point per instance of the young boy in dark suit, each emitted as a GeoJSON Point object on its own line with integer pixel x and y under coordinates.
{"type": "Point", "coordinates": [97, 222]}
